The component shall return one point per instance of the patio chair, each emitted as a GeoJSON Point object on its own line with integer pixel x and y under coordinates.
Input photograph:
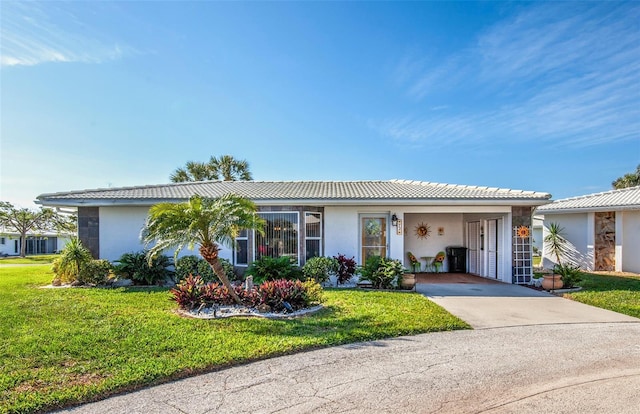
{"type": "Point", "coordinates": [437, 261]}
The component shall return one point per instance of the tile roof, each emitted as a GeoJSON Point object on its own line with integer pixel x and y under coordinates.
{"type": "Point", "coordinates": [623, 199]}
{"type": "Point", "coordinates": [320, 191]}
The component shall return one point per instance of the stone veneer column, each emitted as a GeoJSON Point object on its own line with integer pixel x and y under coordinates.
{"type": "Point", "coordinates": [89, 229]}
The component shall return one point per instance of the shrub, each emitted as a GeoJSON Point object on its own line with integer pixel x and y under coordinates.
{"type": "Point", "coordinates": [278, 293]}
{"type": "Point", "coordinates": [313, 292]}
{"type": "Point", "coordinates": [194, 265]}
{"type": "Point", "coordinates": [72, 258]}
{"type": "Point", "coordinates": [192, 292]}
{"type": "Point", "coordinates": [346, 268]}
{"type": "Point", "coordinates": [185, 266]}
{"type": "Point", "coordinates": [571, 275]}
{"type": "Point", "coordinates": [188, 293]}
{"type": "Point", "coordinates": [270, 268]}
{"type": "Point", "coordinates": [320, 268]}
{"type": "Point", "coordinates": [383, 273]}
{"type": "Point", "coordinates": [135, 266]}
{"type": "Point", "coordinates": [95, 272]}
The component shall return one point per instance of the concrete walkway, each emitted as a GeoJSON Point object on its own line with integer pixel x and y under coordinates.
{"type": "Point", "coordinates": [501, 305]}
{"type": "Point", "coordinates": [533, 352]}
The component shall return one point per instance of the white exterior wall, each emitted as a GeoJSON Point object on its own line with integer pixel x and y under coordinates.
{"type": "Point", "coordinates": [453, 235]}
{"type": "Point", "coordinates": [579, 231]}
{"type": "Point", "coordinates": [120, 233]}
{"type": "Point", "coordinates": [630, 241]}
{"type": "Point", "coordinates": [8, 248]}
{"type": "Point", "coordinates": [120, 230]}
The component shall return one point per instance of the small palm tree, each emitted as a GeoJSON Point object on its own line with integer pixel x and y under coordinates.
{"type": "Point", "coordinates": [556, 242]}
{"type": "Point", "coordinates": [203, 222]}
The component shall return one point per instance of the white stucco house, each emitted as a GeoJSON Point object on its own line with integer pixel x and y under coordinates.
{"type": "Point", "coordinates": [44, 242]}
{"type": "Point", "coordinates": [603, 229]}
{"type": "Point", "coordinates": [325, 218]}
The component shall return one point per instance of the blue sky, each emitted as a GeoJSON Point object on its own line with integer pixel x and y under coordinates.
{"type": "Point", "coordinates": [538, 96]}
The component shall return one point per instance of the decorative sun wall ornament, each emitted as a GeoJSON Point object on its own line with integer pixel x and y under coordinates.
{"type": "Point", "coordinates": [423, 230]}
{"type": "Point", "coordinates": [523, 232]}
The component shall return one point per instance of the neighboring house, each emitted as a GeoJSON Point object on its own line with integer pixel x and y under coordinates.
{"type": "Point", "coordinates": [603, 229]}
{"type": "Point", "coordinates": [37, 242]}
{"type": "Point", "coordinates": [356, 218]}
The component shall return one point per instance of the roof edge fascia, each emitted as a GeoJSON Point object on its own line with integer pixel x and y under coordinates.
{"type": "Point", "coordinates": [319, 202]}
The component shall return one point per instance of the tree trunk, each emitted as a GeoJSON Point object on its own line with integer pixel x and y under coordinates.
{"type": "Point", "coordinates": [210, 254]}
{"type": "Point", "coordinates": [23, 245]}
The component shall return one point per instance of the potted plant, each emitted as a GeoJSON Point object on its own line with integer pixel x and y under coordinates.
{"type": "Point", "coordinates": [557, 245]}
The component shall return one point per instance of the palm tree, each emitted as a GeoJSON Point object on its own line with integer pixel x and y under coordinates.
{"type": "Point", "coordinates": [230, 169]}
{"type": "Point", "coordinates": [193, 171]}
{"type": "Point", "coordinates": [203, 222]}
{"type": "Point", "coordinates": [225, 167]}
{"type": "Point", "coordinates": [556, 242]}
{"type": "Point", "coordinates": [628, 180]}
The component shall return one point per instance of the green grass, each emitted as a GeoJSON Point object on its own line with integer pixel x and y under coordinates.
{"type": "Point", "coordinates": [60, 347]}
{"type": "Point", "coordinates": [617, 293]}
{"type": "Point", "coordinates": [37, 259]}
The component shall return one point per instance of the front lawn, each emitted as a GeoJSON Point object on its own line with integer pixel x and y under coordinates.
{"type": "Point", "coordinates": [35, 259]}
{"type": "Point", "coordinates": [60, 347]}
{"type": "Point", "coordinates": [617, 293]}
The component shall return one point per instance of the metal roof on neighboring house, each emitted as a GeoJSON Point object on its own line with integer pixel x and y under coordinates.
{"type": "Point", "coordinates": [334, 192]}
{"type": "Point", "coordinates": [622, 199]}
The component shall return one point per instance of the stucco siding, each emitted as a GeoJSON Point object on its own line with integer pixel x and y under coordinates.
{"type": "Point", "coordinates": [630, 240]}
{"type": "Point", "coordinates": [576, 230]}
{"type": "Point", "coordinates": [120, 230]}
{"type": "Point", "coordinates": [453, 235]}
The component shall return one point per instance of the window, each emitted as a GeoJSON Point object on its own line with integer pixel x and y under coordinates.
{"type": "Point", "coordinates": [242, 248]}
{"type": "Point", "coordinates": [2, 240]}
{"type": "Point", "coordinates": [313, 234]}
{"type": "Point", "coordinates": [280, 237]}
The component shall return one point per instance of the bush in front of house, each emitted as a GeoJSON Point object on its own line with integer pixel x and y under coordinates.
{"type": "Point", "coordinates": [347, 268]}
{"type": "Point", "coordinates": [72, 259]}
{"type": "Point", "coordinates": [135, 266]}
{"type": "Point", "coordinates": [320, 269]}
{"type": "Point", "coordinates": [95, 272]}
{"type": "Point", "coordinates": [280, 295]}
{"type": "Point", "coordinates": [274, 268]}
{"type": "Point", "coordinates": [197, 266]}
{"type": "Point", "coordinates": [383, 273]}
{"type": "Point", "coordinates": [571, 275]}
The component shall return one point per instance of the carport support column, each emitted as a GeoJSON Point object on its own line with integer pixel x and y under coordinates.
{"type": "Point", "coordinates": [89, 229]}
{"type": "Point", "coordinates": [522, 247]}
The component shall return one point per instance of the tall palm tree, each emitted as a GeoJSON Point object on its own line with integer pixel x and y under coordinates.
{"type": "Point", "coordinates": [230, 169]}
{"type": "Point", "coordinates": [203, 222]}
{"type": "Point", "coordinates": [226, 168]}
{"type": "Point", "coordinates": [193, 171]}
{"type": "Point", "coordinates": [628, 180]}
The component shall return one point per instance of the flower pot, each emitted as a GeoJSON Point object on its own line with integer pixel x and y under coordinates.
{"type": "Point", "coordinates": [408, 281]}
{"type": "Point", "coordinates": [552, 282]}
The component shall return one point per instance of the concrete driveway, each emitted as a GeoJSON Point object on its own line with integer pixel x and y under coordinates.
{"type": "Point", "coordinates": [501, 305]}
{"type": "Point", "coordinates": [533, 352]}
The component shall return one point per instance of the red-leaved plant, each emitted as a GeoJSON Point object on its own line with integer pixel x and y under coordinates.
{"type": "Point", "coordinates": [280, 295]}
{"type": "Point", "coordinates": [346, 268]}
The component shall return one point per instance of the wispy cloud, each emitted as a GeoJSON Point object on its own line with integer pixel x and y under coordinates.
{"type": "Point", "coordinates": [33, 33]}
{"type": "Point", "coordinates": [565, 73]}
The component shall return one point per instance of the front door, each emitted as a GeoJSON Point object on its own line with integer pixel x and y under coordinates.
{"type": "Point", "coordinates": [373, 237]}
{"type": "Point", "coordinates": [492, 248]}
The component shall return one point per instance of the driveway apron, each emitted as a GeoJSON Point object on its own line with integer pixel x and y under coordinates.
{"type": "Point", "coordinates": [501, 305]}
